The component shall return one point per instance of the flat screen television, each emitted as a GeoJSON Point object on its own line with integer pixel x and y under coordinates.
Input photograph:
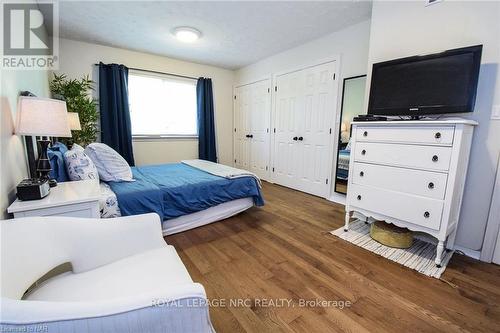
{"type": "Point", "coordinates": [438, 83]}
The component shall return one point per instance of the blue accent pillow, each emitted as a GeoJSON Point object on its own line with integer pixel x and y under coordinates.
{"type": "Point", "coordinates": [56, 158]}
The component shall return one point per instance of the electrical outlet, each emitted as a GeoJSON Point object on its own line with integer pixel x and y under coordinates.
{"type": "Point", "coordinates": [495, 113]}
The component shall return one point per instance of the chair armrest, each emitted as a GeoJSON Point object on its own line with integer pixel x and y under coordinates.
{"type": "Point", "coordinates": [24, 312]}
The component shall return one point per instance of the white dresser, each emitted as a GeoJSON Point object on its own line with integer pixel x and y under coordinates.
{"type": "Point", "coordinates": [411, 174]}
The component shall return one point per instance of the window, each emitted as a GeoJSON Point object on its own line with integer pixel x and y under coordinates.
{"type": "Point", "coordinates": [162, 105]}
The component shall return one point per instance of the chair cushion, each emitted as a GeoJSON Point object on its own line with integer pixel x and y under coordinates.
{"type": "Point", "coordinates": [142, 273]}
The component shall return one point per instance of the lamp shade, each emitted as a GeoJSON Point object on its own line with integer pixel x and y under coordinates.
{"type": "Point", "coordinates": [42, 117]}
{"type": "Point", "coordinates": [343, 127]}
{"type": "Point", "coordinates": [74, 121]}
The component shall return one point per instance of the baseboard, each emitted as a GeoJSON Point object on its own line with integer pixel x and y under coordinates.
{"type": "Point", "coordinates": [468, 252]}
{"type": "Point", "coordinates": [338, 198]}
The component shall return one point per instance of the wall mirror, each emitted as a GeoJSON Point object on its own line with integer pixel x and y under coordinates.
{"type": "Point", "coordinates": [353, 96]}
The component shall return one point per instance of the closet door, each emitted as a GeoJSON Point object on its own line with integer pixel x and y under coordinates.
{"type": "Point", "coordinates": [241, 128]}
{"type": "Point", "coordinates": [286, 144]}
{"type": "Point", "coordinates": [303, 117]}
{"type": "Point", "coordinates": [260, 118]}
{"type": "Point", "coordinates": [315, 121]}
{"type": "Point", "coordinates": [252, 116]}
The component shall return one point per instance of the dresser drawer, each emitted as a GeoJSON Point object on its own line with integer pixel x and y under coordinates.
{"type": "Point", "coordinates": [419, 135]}
{"type": "Point", "coordinates": [423, 183]}
{"type": "Point", "coordinates": [412, 156]}
{"type": "Point", "coordinates": [417, 210]}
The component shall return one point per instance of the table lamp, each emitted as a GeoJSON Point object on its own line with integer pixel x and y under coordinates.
{"type": "Point", "coordinates": [74, 125]}
{"type": "Point", "coordinates": [42, 117]}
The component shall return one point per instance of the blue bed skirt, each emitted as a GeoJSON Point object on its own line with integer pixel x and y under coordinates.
{"type": "Point", "coordinates": [176, 189]}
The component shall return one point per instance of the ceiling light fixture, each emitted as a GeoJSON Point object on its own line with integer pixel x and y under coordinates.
{"type": "Point", "coordinates": [186, 34]}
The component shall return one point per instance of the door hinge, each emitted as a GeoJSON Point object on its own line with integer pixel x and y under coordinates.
{"type": "Point", "coordinates": [330, 131]}
{"type": "Point", "coordinates": [327, 181]}
{"type": "Point", "coordinates": [275, 88]}
{"type": "Point", "coordinates": [273, 169]}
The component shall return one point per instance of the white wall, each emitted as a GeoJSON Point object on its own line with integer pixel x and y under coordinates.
{"type": "Point", "coordinates": [77, 59]}
{"type": "Point", "coordinates": [13, 165]}
{"type": "Point", "coordinates": [406, 28]}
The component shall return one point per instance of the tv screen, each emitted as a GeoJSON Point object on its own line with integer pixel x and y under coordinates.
{"type": "Point", "coordinates": [433, 84]}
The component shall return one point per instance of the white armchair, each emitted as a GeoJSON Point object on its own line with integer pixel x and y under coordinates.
{"type": "Point", "coordinates": [124, 278]}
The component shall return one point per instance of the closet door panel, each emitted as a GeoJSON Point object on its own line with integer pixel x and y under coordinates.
{"type": "Point", "coordinates": [318, 113]}
{"type": "Point", "coordinates": [242, 126]}
{"type": "Point", "coordinates": [286, 150]}
{"type": "Point", "coordinates": [260, 111]}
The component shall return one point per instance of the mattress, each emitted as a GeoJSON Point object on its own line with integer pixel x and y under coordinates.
{"type": "Point", "coordinates": [173, 190]}
{"type": "Point", "coordinates": [343, 160]}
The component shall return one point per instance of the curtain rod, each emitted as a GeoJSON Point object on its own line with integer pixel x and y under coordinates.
{"type": "Point", "coordinates": [163, 73]}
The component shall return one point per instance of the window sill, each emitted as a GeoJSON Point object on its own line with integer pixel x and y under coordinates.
{"type": "Point", "coordinates": [163, 137]}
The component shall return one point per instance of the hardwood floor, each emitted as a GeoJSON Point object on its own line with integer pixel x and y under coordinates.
{"type": "Point", "coordinates": [284, 251]}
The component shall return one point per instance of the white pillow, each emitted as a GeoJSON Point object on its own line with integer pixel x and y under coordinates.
{"type": "Point", "coordinates": [111, 166]}
{"type": "Point", "coordinates": [79, 165]}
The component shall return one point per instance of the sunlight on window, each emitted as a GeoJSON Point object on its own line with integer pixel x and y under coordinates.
{"type": "Point", "coordinates": [162, 106]}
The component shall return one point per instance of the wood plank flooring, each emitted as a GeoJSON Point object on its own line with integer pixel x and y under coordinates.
{"type": "Point", "coordinates": [283, 251]}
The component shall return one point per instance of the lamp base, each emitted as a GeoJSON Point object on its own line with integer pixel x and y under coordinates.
{"type": "Point", "coordinates": [52, 182]}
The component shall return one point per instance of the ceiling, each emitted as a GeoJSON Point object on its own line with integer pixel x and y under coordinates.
{"type": "Point", "coordinates": [235, 34]}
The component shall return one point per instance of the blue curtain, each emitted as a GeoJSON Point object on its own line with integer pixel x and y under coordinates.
{"type": "Point", "coordinates": [116, 129]}
{"type": "Point", "coordinates": [206, 122]}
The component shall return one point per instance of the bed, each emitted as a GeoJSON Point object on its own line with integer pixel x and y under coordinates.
{"type": "Point", "coordinates": [183, 196]}
{"type": "Point", "coordinates": [343, 164]}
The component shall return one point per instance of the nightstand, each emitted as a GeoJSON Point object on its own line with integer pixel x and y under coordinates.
{"type": "Point", "coordinates": [76, 199]}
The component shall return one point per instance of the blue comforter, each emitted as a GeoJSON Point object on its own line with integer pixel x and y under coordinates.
{"type": "Point", "coordinates": [173, 190]}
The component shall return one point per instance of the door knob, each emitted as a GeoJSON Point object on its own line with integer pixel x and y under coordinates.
{"type": "Point", "coordinates": [247, 136]}
{"type": "Point", "coordinates": [431, 185]}
{"type": "Point", "coordinates": [427, 214]}
{"type": "Point", "coordinates": [437, 135]}
{"type": "Point", "coordinates": [301, 138]}
{"type": "Point", "coordinates": [363, 152]}
{"type": "Point", "coordinates": [435, 158]}
{"type": "Point", "coordinates": [365, 133]}
{"type": "Point", "coordinates": [295, 138]}
{"type": "Point", "coordinates": [250, 136]}
{"type": "Point", "coordinates": [361, 174]}
{"type": "Point", "coordinates": [359, 197]}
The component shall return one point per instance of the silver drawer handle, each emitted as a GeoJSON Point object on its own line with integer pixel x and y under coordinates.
{"type": "Point", "coordinates": [427, 214]}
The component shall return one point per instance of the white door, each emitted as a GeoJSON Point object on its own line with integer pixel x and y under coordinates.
{"type": "Point", "coordinates": [305, 105]}
{"type": "Point", "coordinates": [242, 128]}
{"type": "Point", "coordinates": [252, 127]}
{"type": "Point", "coordinates": [260, 118]}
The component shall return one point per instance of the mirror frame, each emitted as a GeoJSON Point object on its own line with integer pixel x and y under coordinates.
{"type": "Point", "coordinates": [339, 131]}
